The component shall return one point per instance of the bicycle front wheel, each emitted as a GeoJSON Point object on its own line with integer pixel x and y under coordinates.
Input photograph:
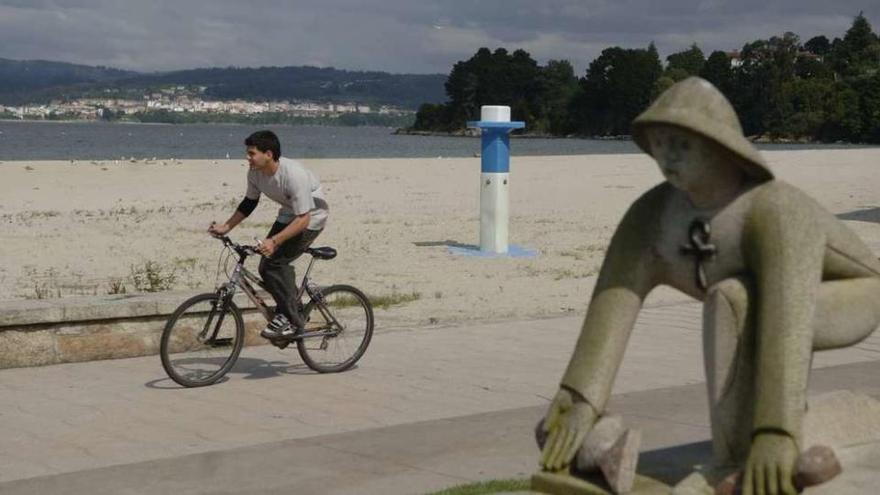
{"type": "Point", "coordinates": [340, 322]}
{"type": "Point", "coordinates": [202, 340]}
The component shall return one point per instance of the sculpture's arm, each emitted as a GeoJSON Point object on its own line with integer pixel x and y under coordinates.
{"type": "Point", "coordinates": [784, 247]}
{"type": "Point", "coordinates": [628, 273]}
{"type": "Point", "coordinates": [624, 280]}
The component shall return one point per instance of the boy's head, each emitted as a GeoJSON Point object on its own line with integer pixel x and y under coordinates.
{"type": "Point", "coordinates": [262, 147]}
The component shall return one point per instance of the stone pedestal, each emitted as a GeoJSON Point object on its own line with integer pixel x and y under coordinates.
{"type": "Point", "coordinates": [846, 421]}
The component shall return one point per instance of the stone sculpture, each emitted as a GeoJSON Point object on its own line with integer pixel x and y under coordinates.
{"type": "Point", "coordinates": [779, 276]}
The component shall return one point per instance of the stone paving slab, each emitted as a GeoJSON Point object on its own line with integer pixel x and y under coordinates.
{"type": "Point", "coordinates": [421, 457]}
{"type": "Point", "coordinates": [73, 417]}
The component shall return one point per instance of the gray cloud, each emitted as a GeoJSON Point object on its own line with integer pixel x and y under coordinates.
{"type": "Point", "coordinates": [392, 35]}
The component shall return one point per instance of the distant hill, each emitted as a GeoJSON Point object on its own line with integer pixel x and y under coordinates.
{"type": "Point", "coordinates": [36, 81]}
{"type": "Point", "coordinates": [20, 78]}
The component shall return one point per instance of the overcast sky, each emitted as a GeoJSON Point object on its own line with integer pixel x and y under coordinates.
{"type": "Point", "coordinates": [411, 36]}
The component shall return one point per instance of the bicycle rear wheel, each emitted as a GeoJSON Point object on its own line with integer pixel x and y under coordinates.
{"type": "Point", "coordinates": [343, 313]}
{"type": "Point", "coordinates": [202, 340]}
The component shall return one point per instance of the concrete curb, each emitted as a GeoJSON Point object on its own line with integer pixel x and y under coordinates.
{"type": "Point", "coordinates": [44, 332]}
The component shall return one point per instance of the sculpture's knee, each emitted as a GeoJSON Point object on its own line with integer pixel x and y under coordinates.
{"type": "Point", "coordinates": [846, 313]}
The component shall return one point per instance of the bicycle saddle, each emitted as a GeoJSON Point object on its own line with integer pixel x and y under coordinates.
{"type": "Point", "coordinates": [322, 253]}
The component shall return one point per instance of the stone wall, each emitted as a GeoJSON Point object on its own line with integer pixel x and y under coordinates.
{"type": "Point", "coordinates": [68, 330]}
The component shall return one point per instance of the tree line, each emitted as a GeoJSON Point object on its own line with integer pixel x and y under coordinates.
{"type": "Point", "coordinates": [819, 90]}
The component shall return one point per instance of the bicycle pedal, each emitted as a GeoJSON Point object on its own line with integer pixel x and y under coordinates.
{"type": "Point", "coordinates": [280, 343]}
{"type": "Point", "coordinates": [223, 342]}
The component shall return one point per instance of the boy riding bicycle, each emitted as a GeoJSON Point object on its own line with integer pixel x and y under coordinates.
{"type": "Point", "coordinates": [300, 220]}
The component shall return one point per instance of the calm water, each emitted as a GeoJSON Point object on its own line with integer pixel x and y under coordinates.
{"type": "Point", "coordinates": [104, 141]}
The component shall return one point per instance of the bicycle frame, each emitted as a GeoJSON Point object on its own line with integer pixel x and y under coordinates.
{"type": "Point", "coordinates": [242, 278]}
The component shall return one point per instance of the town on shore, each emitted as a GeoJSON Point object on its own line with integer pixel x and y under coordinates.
{"type": "Point", "coordinates": [188, 101]}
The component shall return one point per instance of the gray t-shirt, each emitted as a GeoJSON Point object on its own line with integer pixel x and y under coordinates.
{"type": "Point", "coordinates": [295, 188]}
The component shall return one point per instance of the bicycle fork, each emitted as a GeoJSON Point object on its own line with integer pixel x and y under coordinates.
{"type": "Point", "coordinates": [224, 296]}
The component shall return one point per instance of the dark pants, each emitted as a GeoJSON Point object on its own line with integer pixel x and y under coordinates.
{"type": "Point", "coordinates": [278, 273]}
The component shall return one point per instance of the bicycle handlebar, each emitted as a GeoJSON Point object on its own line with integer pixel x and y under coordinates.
{"type": "Point", "coordinates": [242, 249]}
{"type": "Point", "coordinates": [247, 250]}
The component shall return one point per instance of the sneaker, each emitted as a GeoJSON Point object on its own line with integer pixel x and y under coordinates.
{"type": "Point", "coordinates": [278, 328]}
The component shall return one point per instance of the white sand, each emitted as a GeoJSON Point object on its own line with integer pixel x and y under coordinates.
{"type": "Point", "coordinates": [75, 228]}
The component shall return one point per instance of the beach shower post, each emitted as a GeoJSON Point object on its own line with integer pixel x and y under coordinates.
{"type": "Point", "coordinates": [495, 126]}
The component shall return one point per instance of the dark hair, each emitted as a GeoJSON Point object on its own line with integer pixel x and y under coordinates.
{"type": "Point", "coordinates": [265, 141]}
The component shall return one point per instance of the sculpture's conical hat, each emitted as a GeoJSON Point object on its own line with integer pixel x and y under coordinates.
{"type": "Point", "coordinates": [696, 105]}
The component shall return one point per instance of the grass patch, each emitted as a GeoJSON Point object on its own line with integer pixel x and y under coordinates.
{"type": "Point", "coordinates": [49, 284]}
{"type": "Point", "coordinates": [27, 216]}
{"type": "Point", "coordinates": [530, 271]}
{"type": "Point", "coordinates": [394, 299]}
{"type": "Point", "coordinates": [116, 286]}
{"type": "Point", "coordinates": [563, 274]}
{"type": "Point", "coordinates": [484, 487]}
{"type": "Point", "coordinates": [44, 285]}
{"type": "Point", "coordinates": [206, 205]}
{"type": "Point", "coordinates": [186, 263]}
{"type": "Point", "coordinates": [44, 290]}
{"type": "Point", "coordinates": [586, 252]}
{"type": "Point", "coordinates": [344, 302]}
{"type": "Point", "coordinates": [383, 302]}
{"type": "Point", "coordinates": [122, 211]}
{"type": "Point", "coordinates": [152, 277]}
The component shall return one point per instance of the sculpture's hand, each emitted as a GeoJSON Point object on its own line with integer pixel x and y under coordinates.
{"type": "Point", "coordinates": [567, 423]}
{"type": "Point", "coordinates": [770, 468]}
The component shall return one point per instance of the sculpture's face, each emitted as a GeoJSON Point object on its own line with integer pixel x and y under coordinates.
{"type": "Point", "coordinates": [689, 161]}
{"type": "Point", "coordinates": [686, 159]}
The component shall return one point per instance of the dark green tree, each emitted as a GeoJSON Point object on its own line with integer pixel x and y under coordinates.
{"type": "Point", "coordinates": [859, 50]}
{"type": "Point", "coordinates": [808, 102]}
{"type": "Point", "coordinates": [523, 77]}
{"type": "Point", "coordinates": [618, 86]}
{"type": "Point", "coordinates": [432, 117]}
{"type": "Point", "coordinates": [463, 85]}
{"type": "Point", "coordinates": [842, 120]}
{"type": "Point", "coordinates": [557, 87]}
{"type": "Point", "coordinates": [761, 91]}
{"type": "Point", "coordinates": [494, 78]}
{"type": "Point", "coordinates": [868, 89]}
{"type": "Point", "coordinates": [808, 65]}
{"type": "Point", "coordinates": [717, 70]}
{"type": "Point", "coordinates": [827, 91]}
{"type": "Point", "coordinates": [818, 45]}
{"type": "Point", "coordinates": [689, 62]}
{"type": "Point", "coordinates": [663, 83]}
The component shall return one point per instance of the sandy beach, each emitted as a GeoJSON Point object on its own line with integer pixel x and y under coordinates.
{"type": "Point", "coordinates": [83, 228]}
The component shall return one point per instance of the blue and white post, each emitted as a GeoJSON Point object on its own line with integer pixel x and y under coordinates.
{"type": "Point", "coordinates": [495, 125]}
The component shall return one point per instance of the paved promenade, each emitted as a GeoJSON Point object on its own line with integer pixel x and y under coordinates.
{"type": "Point", "coordinates": [425, 409]}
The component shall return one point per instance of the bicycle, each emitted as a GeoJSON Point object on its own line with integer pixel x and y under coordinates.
{"type": "Point", "coordinates": [204, 336]}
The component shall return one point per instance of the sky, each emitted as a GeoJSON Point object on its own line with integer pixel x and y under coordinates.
{"type": "Point", "coordinates": [398, 36]}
